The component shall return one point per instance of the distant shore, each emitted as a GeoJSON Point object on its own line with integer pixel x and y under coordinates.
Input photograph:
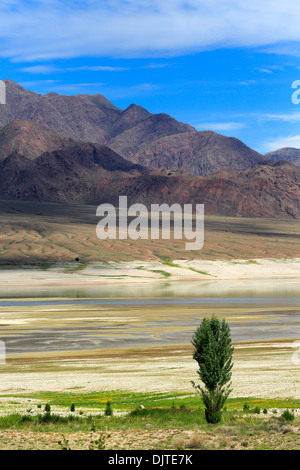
{"type": "Point", "coordinates": [149, 272]}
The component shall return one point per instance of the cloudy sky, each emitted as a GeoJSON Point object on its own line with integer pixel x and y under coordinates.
{"type": "Point", "coordinates": [223, 65]}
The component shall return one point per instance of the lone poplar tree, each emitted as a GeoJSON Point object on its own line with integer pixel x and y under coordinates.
{"type": "Point", "coordinates": [213, 352]}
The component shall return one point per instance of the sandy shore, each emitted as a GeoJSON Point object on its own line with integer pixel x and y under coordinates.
{"type": "Point", "coordinates": [150, 271]}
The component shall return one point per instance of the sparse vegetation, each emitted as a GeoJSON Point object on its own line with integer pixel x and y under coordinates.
{"type": "Point", "coordinates": [172, 427]}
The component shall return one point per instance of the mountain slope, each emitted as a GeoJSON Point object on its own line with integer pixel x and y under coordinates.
{"type": "Point", "coordinates": [62, 175]}
{"type": "Point", "coordinates": [288, 154]}
{"type": "Point", "coordinates": [198, 153]}
{"type": "Point", "coordinates": [89, 118]}
{"type": "Point", "coordinates": [270, 190]}
{"type": "Point", "coordinates": [152, 140]}
{"type": "Point", "coordinates": [30, 140]}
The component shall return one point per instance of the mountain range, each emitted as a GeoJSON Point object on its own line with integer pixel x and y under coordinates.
{"type": "Point", "coordinates": [83, 148]}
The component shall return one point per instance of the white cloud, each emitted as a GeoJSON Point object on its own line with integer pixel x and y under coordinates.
{"type": "Point", "coordinates": [266, 71]}
{"type": "Point", "coordinates": [286, 117]}
{"type": "Point", "coordinates": [51, 29]}
{"type": "Point", "coordinates": [281, 142]}
{"type": "Point", "coordinates": [157, 65]}
{"type": "Point", "coordinates": [219, 126]}
{"type": "Point", "coordinates": [50, 70]}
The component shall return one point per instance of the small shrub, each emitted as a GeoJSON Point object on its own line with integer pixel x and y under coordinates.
{"type": "Point", "coordinates": [108, 409]}
{"type": "Point", "coordinates": [39, 406]}
{"type": "Point", "coordinates": [64, 443]}
{"type": "Point", "coordinates": [288, 415]}
{"type": "Point", "coordinates": [100, 443]}
{"type": "Point", "coordinates": [72, 407]}
{"type": "Point", "coordinates": [256, 410]}
{"type": "Point", "coordinates": [265, 411]}
{"type": "Point", "coordinates": [246, 407]}
{"type": "Point", "coordinates": [26, 418]}
{"type": "Point", "coordinates": [47, 408]}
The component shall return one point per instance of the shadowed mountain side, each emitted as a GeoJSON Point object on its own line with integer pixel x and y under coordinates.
{"type": "Point", "coordinates": [63, 175]}
{"type": "Point", "coordinates": [261, 191]}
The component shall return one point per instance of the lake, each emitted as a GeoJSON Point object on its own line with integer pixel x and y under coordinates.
{"type": "Point", "coordinates": [132, 316]}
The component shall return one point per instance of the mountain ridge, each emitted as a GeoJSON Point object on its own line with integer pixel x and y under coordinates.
{"type": "Point", "coordinates": [152, 140]}
{"type": "Point", "coordinates": [47, 154]}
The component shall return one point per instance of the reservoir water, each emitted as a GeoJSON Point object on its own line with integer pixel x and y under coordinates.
{"type": "Point", "coordinates": [132, 316]}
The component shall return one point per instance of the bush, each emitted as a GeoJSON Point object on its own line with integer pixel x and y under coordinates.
{"type": "Point", "coordinates": [72, 407]}
{"type": "Point", "coordinates": [246, 407]}
{"type": "Point", "coordinates": [108, 409]}
{"type": "Point", "coordinates": [256, 410]}
{"type": "Point", "coordinates": [288, 416]}
{"type": "Point", "coordinates": [26, 418]}
{"type": "Point", "coordinates": [47, 408]}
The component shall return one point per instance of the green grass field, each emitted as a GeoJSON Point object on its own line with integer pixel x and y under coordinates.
{"type": "Point", "coordinates": [165, 422]}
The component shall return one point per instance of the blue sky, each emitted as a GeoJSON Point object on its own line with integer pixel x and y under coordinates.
{"type": "Point", "coordinates": [219, 65]}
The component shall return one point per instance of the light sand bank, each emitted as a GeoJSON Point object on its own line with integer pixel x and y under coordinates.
{"type": "Point", "coordinates": [151, 271]}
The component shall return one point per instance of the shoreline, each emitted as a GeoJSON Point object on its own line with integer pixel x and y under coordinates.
{"type": "Point", "coordinates": [76, 274]}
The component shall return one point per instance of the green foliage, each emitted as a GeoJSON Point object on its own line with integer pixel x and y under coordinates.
{"type": "Point", "coordinates": [108, 409]}
{"type": "Point", "coordinates": [288, 415]}
{"type": "Point", "coordinates": [100, 443]}
{"type": "Point", "coordinates": [72, 407]}
{"type": "Point", "coordinates": [256, 410]}
{"type": "Point", "coordinates": [64, 443]}
{"type": "Point", "coordinates": [47, 408]}
{"type": "Point", "coordinates": [246, 407]}
{"type": "Point", "coordinates": [213, 352]}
